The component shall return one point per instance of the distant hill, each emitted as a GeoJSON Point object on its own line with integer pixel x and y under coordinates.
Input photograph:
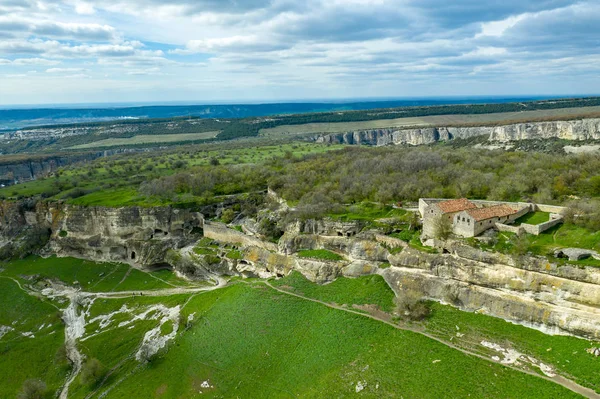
{"type": "Point", "coordinates": [18, 118]}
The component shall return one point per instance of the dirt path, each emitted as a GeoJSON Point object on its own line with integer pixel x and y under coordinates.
{"type": "Point", "coordinates": [565, 382]}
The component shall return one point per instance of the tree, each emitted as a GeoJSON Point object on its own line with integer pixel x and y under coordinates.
{"type": "Point", "coordinates": [33, 389]}
{"type": "Point", "coordinates": [442, 227]}
{"type": "Point", "coordinates": [92, 372]}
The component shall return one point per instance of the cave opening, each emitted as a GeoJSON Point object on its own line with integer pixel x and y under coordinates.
{"type": "Point", "coordinates": [133, 255]}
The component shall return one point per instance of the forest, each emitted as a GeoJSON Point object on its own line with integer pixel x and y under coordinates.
{"type": "Point", "coordinates": [318, 184]}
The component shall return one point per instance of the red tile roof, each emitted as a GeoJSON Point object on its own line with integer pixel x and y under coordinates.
{"type": "Point", "coordinates": [456, 205]}
{"type": "Point", "coordinates": [496, 211]}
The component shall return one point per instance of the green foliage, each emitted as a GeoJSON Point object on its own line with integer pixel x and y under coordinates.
{"type": "Point", "coordinates": [234, 254]}
{"type": "Point", "coordinates": [442, 227]}
{"type": "Point", "coordinates": [319, 254]}
{"type": "Point", "coordinates": [228, 215]}
{"type": "Point", "coordinates": [92, 372]}
{"type": "Point", "coordinates": [33, 389]}
{"type": "Point", "coordinates": [269, 229]}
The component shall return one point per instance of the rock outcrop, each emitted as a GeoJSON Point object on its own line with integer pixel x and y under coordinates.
{"type": "Point", "coordinates": [523, 291]}
{"type": "Point", "coordinates": [135, 235]}
{"type": "Point", "coordinates": [582, 129]}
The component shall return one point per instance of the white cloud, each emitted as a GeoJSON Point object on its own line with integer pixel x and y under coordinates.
{"type": "Point", "coordinates": [65, 70]}
{"type": "Point", "coordinates": [284, 48]}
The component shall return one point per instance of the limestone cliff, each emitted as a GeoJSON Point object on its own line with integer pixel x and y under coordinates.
{"type": "Point", "coordinates": [583, 129]}
{"type": "Point", "coordinates": [135, 235]}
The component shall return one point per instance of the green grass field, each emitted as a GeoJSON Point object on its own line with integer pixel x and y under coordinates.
{"type": "Point", "coordinates": [533, 218]}
{"type": "Point", "coordinates": [248, 340]}
{"type": "Point", "coordinates": [436, 120]}
{"type": "Point", "coordinates": [28, 357]}
{"type": "Point", "coordinates": [561, 236]}
{"type": "Point", "coordinates": [89, 276]}
{"type": "Point", "coordinates": [147, 139]}
{"type": "Point", "coordinates": [255, 342]}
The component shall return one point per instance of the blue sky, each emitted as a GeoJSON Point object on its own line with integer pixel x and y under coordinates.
{"type": "Point", "coordinates": [75, 51]}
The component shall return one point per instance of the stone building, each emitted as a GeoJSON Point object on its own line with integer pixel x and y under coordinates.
{"type": "Point", "coordinates": [472, 222]}
{"type": "Point", "coordinates": [470, 218]}
{"type": "Point", "coordinates": [434, 210]}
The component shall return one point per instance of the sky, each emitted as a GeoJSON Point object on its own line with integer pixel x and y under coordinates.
{"type": "Point", "coordinates": [76, 51]}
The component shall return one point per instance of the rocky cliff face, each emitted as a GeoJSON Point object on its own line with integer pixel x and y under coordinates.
{"type": "Point", "coordinates": [584, 129]}
{"type": "Point", "coordinates": [528, 291]}
{"type": "Point", "coordinates": [31, 169]}
{"type": "Point", "coordinates": [134, 235]}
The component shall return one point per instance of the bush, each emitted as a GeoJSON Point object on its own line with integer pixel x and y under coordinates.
{"type": "Point", "coordinates": [412, 307]}
{"type": "Point", "coordinates": [92, 372]}
{"type": "Point", "coordinates": [33, 389]}
{"type": "Point", "coordinates": [227, 216]}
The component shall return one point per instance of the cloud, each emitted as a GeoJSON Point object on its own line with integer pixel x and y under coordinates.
{"type": "Point", "coordinates": [65, 70]}
{"type": "Point", "coordinates": [273, 48]}
{"type": "Point", "coordinates": [14, 24]}
{"type": "Point", "coordinates": [29, 61]}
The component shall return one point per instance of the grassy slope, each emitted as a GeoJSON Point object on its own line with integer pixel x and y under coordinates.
{"type": "Point", "coordinates": [566, 354]}
{"type": "Point", "coordinates": [250, 341]}
{"type": "Point", "coordinates": [254, 342]}
{"type": "Point", "coordinates": [90, 276]}
{"type": "Point", "coordinates": [23, 358]}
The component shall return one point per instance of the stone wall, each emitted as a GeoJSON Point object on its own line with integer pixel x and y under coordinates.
{"type": "Point", "coordinates": [510, 229]}
{"type": "Point", "coordinates": [537, 229]}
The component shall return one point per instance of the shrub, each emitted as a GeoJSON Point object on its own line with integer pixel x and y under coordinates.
{"type": "Point", "coordinates": [33, 389]}
{"type": "Point", "coordinates": [227, 216]}
{"type": "Point", "coordinates": [412, 307]}
{"type": "Point", "coordinates": [92, 372]}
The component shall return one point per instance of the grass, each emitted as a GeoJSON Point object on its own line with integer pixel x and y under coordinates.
{"type": "Point", "coordinates": [147, 139]}
{"type": "Point", "coordinates": [566, 354]}
{"type": "Point", "coordinates": [255, 342]}
{"type": "Point", "coordinates": [533, 218]}
{"type": "Point", "coordinates": [561, 236]}
{"type": "Point", "coordinates": [367, 290]}
{"type": "Point", "coordinates": [319, 254]}
{"type": "Point", "coordinates": [248, 340]}
{"type": "Point", "coordinates": [367, 212]}
{"type": "Point", "coordinates": [23, 358]}
{"type": "Point", "coordinates": [90, 276]}
{"type": "Point", "coordinates": [234, 254]}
